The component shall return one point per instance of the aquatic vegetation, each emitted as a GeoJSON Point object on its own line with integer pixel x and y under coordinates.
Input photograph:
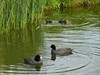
{"type": "Point", "coordinates": [17, 14]}
{"type": "Point", "coordinates": [20, 14]}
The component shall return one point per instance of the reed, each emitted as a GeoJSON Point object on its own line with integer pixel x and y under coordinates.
{"type": "Point", "coordinates": [16, 14]}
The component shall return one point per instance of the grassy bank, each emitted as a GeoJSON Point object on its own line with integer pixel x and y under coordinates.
{"type": "Point", "coordinates": [83, 3]}
{"type": "Point", "coordinates": [54, 4]}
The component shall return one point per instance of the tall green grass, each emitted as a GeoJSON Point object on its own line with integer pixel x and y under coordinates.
{"type": "Point", "coordinates": [16, 14]}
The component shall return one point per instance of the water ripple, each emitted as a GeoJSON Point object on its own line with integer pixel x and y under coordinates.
{"type": "Point", "coordinates": [61, 64]}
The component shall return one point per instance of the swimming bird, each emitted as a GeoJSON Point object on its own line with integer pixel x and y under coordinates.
{"type": "Point", "coordinates": [35, 60]}
{"type": "Point", "coordinates": [61, 51]}
{"type": "Point", "coordinates": [62, 22]}
{"type": "Point", "coordinates": [48, 21]}
{"type": "Point", "coordinates": [56, 22]}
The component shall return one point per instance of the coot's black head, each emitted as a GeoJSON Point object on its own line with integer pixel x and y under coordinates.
{"type": "Point", "coordinates": [53, 47]}
{"type": "Point", "coordinates": [37, 58]}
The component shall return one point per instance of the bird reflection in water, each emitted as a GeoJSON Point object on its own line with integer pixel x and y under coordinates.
{"type": "Point", "coordinates": [53, 56]}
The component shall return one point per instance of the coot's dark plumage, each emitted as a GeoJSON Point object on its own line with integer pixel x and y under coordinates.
{"type": "Point", "coordinates": [61, 51]}
{"type": "Point", "coordinates": [35, 60]}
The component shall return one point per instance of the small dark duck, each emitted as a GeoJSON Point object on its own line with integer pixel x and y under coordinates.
{"type": "Point", "coordinates": [64, 22]}
{"type": "Point", "coordinates": [35, 60]}
{"type": "Point", "coordinates": [61, 51]}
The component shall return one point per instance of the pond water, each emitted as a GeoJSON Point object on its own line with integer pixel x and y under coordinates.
{"type": "Point", "coordinates": [82, 34]}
